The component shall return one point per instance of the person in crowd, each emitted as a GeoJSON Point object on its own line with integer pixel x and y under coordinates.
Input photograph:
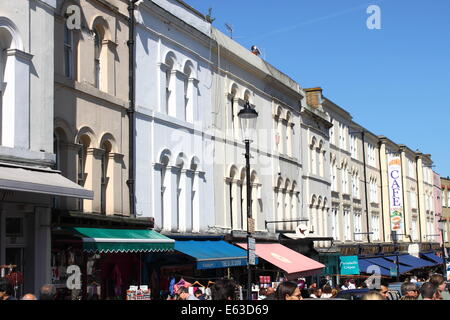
{"type": "Point", "coordinates": [262, 294]}
{"type": "Point", "coordinates": [315, 293]}
{"type": "Point", "coordinates": [345, 285]}
{"type": "Point", "coordinates": [47, 292]}
{"type": "Point", "coordinates": [409, 289]}
{"type": "Point", "coordinates": [288, 290]}
{"type": "Point", "coordinates": [183, 294]}
{"type": "Point", "coordinates": [351, 284]}
{"type": "Point", "coordinates": [29, 296]}
{"type": "Point", "coordinates": [438, 281]}
{"type": "Point", "coordinates": [373, 295]}
{"type": "Point", "coordinates": [224, 289]}
{"type": "Point", "coordinates": [326, 292]}
{"type": "Point", "coordinates": [200, 295]}
{"type": "Point", "coordinates": [408, 298]}
{"type": "Point", "coordinates": [429, 291]}
{"type": "Point", "coordinates": [334, 292]}
{"type": "Point", "coordinates": [384, 289]}
{"type": "Point", "coordinates": [6, 290]}
{"type": "Point", "coordinates": [270, 294]}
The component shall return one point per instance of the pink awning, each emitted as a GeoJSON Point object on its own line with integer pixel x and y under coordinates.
{"type": "Point", "coordinates": [293, 263]}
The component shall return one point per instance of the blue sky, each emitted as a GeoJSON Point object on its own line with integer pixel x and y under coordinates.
{"type": "Point", "coordinates": [393, 81]}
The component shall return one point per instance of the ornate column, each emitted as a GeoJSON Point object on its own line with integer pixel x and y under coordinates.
{"type": "Point", "coordinates": [113, 189]}
{"type": "Point", "coordinates": [93, 175]}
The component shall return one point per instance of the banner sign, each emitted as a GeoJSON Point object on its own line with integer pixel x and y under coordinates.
{"type": "Point", "coordinates": [395, 192]}
{"type": "Point", "coordinates": [349, 265]}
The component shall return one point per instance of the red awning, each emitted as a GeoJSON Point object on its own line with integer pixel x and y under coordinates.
{"type": "Point", "coordinates": [293, 263]}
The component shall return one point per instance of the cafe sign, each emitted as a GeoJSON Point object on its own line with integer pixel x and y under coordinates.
{"type": "Point", "coordinates": [395, 192]}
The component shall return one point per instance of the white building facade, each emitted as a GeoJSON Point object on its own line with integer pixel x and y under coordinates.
{"type": "Point", "coordinates": [28, 182]}
{"type": "Point", "coordinates": [174, 177]}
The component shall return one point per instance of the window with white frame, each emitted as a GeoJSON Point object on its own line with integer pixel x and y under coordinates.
{"type": "Point", "coordinates": [371, 155]}
{"type": "Point", "coordinates": [414, 228]}
{"type": "Point", "coordinates": [448, 198]}
{"type": "Point", "coordinates": [357, 223]}
{"type": "Point", "coordinates": [411, 171]}
{"type": "Point", "coordinates": [354, 146]}
{"type": "Point", "coordinates": [97, 59]}
{"type": "Point", "coordinates": [313, 154]}
{"type": "Point", "coordinates": [334, 223]}
{"type": "Point", "coordinates": [355, 185]}
{"type": "Point", "coordinates": [68, 52]}
{"type": "Point", "coordinates": [347, 225]}
{"type": "Point", "coordinates": [332, 133]}
{"type": "Point", "coordinates": [375, 227]}
{"type": "Point", "coordinates": [333, 173]}
{"type": "Point", "coordinates": [344, 178]}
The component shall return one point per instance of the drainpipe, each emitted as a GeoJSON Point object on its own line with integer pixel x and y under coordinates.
{"type": "Point", "coordinates": [131, 109]}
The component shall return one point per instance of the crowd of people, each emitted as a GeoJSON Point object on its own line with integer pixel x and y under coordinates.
{"type": "Point", "coordinates": [435, 288]}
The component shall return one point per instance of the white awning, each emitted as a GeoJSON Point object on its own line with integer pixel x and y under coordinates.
{"type": "Point", "coordinates": [41, 181]}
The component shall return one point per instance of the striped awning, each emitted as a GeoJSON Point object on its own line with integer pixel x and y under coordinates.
{"type": "Point", "coordinates": [123, 240]}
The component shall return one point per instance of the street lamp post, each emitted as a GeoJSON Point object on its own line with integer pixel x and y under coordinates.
{"type": "Point", "coordinates": [397, 266]}
{"type": "Point", "coordinates": [248, 117]}
{"type": "Point", "coordinates": [441, 229]}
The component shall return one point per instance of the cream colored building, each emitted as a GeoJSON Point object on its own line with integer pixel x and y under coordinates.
{"type": "Point", "coordinates": [91, 101]}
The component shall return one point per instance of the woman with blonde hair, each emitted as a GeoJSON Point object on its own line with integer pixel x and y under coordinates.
{"type": "Point", "coordinates": [373, 295]}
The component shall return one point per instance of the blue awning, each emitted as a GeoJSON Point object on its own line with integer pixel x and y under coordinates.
{"type": "Point", "coordinates": [213, 254]}
{"type": "Point", "coordinates": [365, 267]}
{"type": "Point", "coordinates": [411, 261]}
{"type": "Point", "coordinates": [388, 265]}
{"type": "Point", "coordinates": [432, 257]}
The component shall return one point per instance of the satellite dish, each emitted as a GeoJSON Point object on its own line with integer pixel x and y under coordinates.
{"type": "Point", "coordinates": [301, 231]}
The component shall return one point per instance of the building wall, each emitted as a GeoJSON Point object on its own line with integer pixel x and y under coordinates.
{"type": "Point", "coordinates": [26, 82]}
{"type": "Point", "coordinates": [275, 152]}
{"type": "Point", "coordinates": [445, 187]}
{"type": "Point", "coordinates": [174, 156]}
{"type": "Point", "coordinates": [316, 159]}
{"type": "Point", "coordinates": [91, 116]}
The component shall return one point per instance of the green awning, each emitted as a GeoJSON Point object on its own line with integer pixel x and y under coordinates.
{"type": "Point", "coordinates": [120, 240]}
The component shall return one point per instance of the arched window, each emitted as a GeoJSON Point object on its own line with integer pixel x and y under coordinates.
{"type": "Point", "coordinates": [243, 200]}
{"type": "Point", "coordinates": [233, 198]}
{"type": "Point", "coordinates": [97, 58]}
{"type": "Point", "coordinates": [313, 153]}
{"type": "Point", "coordinates": [232, 112]}
{"type": "Point", "coordinates": [68, 52]}
{"type": "Point", "coordinates": [170, 99]}
{"type": "Point", "coordinates": [289, 134]}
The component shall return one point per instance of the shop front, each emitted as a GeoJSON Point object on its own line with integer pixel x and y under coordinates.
{"type": "Point", "coordinates": [27, 195]}
{"type": "Point", "coordinates": [196, 264]}
{"type": "Point", "coordinates": [290, 264]}
{"type": "Point", "coordinates": [102, 264]}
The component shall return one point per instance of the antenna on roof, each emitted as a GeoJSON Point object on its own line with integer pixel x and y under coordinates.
{"type": "Point", "coordinates": [230, 29]}
{"type": "Point", "coordinates": [209, 17]}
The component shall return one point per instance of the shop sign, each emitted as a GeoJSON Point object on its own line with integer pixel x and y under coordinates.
{"type": "Point", "coordinates": [395, 192]}
{"type": "Point", "coordinates": [220, 264]}
{"type": "Point", "coordinates": [349, 265]}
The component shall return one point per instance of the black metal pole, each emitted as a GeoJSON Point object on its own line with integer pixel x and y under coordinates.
{"type": "Point", "coordinates": [249, 215]}
{"type": "Point", "coordinates": [131, 109]}
{"type": "Point", "coordinates": [444, 265]}
{"type": "Point", "coordinates": [365, 185]}
{"type": "Point", "coordinates": [394, 238]}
